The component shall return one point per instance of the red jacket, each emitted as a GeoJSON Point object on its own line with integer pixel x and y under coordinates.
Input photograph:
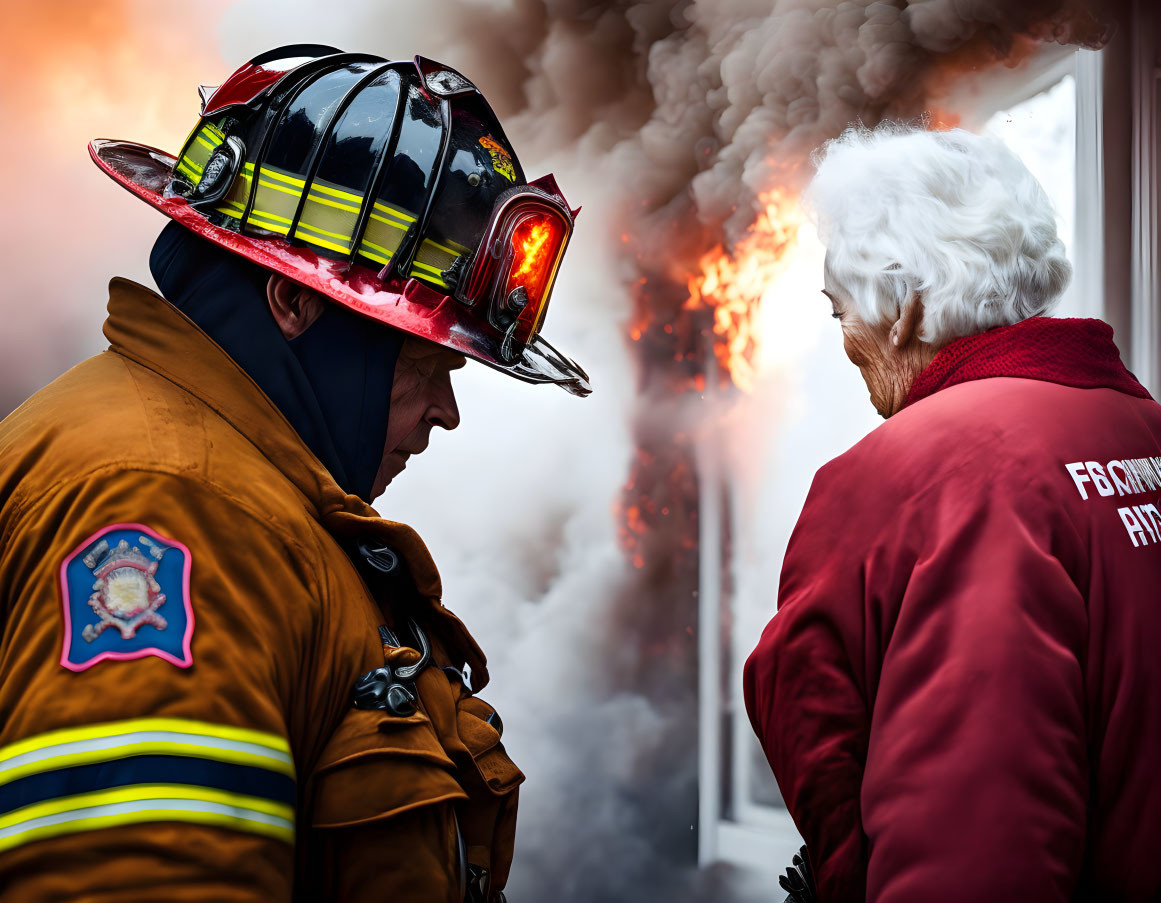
{"type": "Point", "coordinates": [960, 694]}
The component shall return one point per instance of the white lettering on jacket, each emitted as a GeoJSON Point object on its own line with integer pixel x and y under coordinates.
{"type": "Point", "coordinates": [1127, 476]}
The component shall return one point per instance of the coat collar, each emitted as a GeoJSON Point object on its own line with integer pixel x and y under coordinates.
{"type": "Point", "coordinates": [1072, 352]}
{"type": "Point", "coordinates": [145, 328]}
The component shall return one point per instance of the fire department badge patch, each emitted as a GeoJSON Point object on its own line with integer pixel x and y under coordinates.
{"type": "Point", "coordinates": [126, 595]}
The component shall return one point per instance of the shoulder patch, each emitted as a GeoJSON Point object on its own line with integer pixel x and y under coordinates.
{"type": "Point", "coordinates": [126, 595]}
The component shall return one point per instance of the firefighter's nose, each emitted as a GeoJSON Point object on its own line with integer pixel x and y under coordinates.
{"type": "Point", "coordinates": [445, 412]}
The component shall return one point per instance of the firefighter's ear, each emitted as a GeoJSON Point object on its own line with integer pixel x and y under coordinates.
{"type": "Point", "coordinates": [906, 328]}
{"type": "Point", "coordinates": [294, 306]}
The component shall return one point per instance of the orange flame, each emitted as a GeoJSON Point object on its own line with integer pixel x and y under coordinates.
{"type": "Point", "coordinates": [532, 245]}
{"type": "Point", "coordinates": [731, 283]}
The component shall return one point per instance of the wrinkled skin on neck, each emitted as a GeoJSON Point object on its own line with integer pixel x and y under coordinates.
{"type": "Point", "coordinates": [889, 354]}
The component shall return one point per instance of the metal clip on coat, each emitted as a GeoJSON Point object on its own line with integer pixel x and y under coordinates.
{"type": "Point", "coordinates": [393, 689]}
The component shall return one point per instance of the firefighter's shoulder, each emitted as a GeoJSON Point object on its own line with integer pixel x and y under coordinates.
{"type": "Point", "coordinates": [152, 641]}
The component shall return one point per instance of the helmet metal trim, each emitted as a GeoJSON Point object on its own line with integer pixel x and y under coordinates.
{"type": "Point", "coordinates": [410, 245]}
{"type": "Point", "coordinates": [323, 136]}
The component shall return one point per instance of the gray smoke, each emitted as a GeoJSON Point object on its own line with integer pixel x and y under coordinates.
{"type": "Point", "coordinates": [664, 120]}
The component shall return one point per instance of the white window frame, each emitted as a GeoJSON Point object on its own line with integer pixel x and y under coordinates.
{"type": "Point", "coordinates": [1145, 356]}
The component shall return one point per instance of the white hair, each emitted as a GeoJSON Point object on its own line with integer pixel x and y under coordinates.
{"type": "Point", "coordinates": [953, 216]}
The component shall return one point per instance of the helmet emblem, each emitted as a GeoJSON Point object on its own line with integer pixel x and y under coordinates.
{"type": "Point", "coordinates": [447, 82]}
{"type": "Point", "coordinates": [501, 159]}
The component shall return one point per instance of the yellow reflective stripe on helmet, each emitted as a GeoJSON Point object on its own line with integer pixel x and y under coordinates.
{"type": "Point", "coordinates": [268, 215]}
{"type": "Point", "coordinates": [186, 168]}
{"type": "Point", "coordinates": [336, 192]}
{"type": "Point", "coordinates": [436, 244]}
{"type": "Point", "coordinates": [272, 173]}
{"type": "Point", "coordinates": [383, 219]}
{"type": "Point", "coordinates": [386, 252]}
{"type": "Point", "coordinates": [316, 199]}
{"type": "Point", "coordinates": [436, 255]}
{"type": "Point", "coordinates": [393, 211]}
{"type": "Point", "coordinates": [281, 188]}
{"type": "Point", "coordinates": [428, 272]}
{"type": "Point", "coordinates": [339, 235]}
{"type": "Point", "coordinates": [378, 246]}
{"type": "Point", "coordinates": [371, 255]}
{"type": "Point", "coordinates": [258, 218]}
{"type": "Point", "coordinates": [420, 265]}
{"type": "Point", "coordinates": [321, 242]}
{"type": "Point", "coordinates": [190, 137]}
{"type": "Point", "coordinates": [204, 138]}
{"type": "Point", "coordinates": [272, 216]}
{"type": "Point", "coordinates": [433, 260]}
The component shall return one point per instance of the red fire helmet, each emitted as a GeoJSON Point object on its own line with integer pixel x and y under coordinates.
{"type": "Point", "coordinates": [390, 187]}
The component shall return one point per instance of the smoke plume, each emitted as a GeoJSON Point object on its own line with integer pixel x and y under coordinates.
{"type": "Point", "coordinates": [71, 71]}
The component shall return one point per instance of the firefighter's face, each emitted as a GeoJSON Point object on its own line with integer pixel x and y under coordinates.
{"type": "Point", "coordinates": [421, 398]}
{"type": "Point", "coordinates": [889, 354]}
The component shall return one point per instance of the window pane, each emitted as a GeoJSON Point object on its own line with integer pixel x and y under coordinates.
{"type": "Point", "coordinates": [1042, 133]}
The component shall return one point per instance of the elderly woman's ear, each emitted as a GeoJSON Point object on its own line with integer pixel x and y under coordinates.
{"type": "Point", "coordinates": [906, 328]}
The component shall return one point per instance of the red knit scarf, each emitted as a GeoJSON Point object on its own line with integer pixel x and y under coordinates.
{"type": "Point", "coordinates": [1071, 352]}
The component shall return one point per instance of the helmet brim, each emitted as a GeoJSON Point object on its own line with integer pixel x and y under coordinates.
{"type": "Point", "coordinates": [404, 304]}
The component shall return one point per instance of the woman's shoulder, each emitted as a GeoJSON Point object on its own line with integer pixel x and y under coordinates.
{"type": "Point", "coordinates": [985, 431]}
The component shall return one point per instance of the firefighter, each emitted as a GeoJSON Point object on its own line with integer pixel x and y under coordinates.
{"type": "Point", "coordinates": [960, 693]}
{"type": "Point", "coordinates": [223, 676]}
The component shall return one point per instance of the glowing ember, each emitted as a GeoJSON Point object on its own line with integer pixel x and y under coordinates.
{"type": "Point", "coordinates": [731, 283]}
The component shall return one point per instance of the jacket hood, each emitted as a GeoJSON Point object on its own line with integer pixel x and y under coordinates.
{"type": "Point", "coordinates": [332, 382]}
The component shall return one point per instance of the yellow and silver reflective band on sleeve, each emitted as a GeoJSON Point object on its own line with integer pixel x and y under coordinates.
{"type": "Point", "coordinates": [146, 770]}
{"type": "Point", "coordinates": [200, 144]}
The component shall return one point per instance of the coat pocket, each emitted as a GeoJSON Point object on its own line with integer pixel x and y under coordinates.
{"type": "Point", "coordinates": [480, 729]}
{"type": "Point", "coordinates": [378, 765]}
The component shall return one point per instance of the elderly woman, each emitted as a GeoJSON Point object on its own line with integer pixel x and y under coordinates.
{"type": "Point", "coordinates": [960, 694]}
